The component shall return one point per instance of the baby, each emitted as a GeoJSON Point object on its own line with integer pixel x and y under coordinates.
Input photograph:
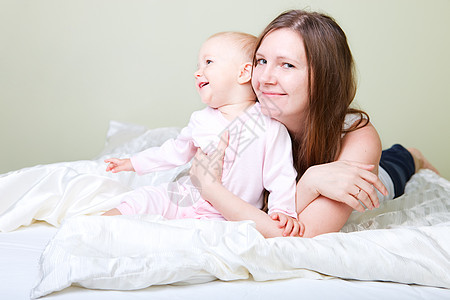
{"type": "Point", "coordinates": [258, 155]}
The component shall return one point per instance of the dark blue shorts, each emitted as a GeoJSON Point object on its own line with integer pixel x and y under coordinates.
{"type": "Point", "coordinates": [399, 164]}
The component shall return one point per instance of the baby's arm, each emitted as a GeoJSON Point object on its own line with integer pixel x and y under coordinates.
{"type": "Point", "coordinates": [116, 165]}
{"type": "Point", "coordinates": [172, 153]}
{"type": "Point", "coordinates": [278, 172]}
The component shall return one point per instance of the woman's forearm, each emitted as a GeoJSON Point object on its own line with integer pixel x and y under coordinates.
{"type": "Point", "coordinates": [306, 193]}
{"type": "Point", "coordinates": [321, 216]}
{"type": "Point", "coordinates": [234, 208]}
{"type": "Point", "coordinates": [324, 215]}
{"type": "Point", "coordinates": [318, 213]}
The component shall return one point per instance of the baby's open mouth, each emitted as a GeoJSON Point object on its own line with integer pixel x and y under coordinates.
{"type": "Point", "coordinates": [202, 84]}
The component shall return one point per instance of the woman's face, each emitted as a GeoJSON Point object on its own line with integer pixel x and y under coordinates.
{"type": "Point", "coordinates": [280, 77]}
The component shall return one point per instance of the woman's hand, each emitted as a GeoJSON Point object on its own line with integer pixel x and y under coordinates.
{"type": "Point", "coordinates": [206, 170]}
{"type": "Point", "coordinates": [292, 227]}
{"type": "Point", "coordinates": [116, 165]}
{"type": "Point", "coordinates": [343, 181]}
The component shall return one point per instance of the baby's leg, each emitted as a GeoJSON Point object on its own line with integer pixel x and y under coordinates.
{"type": "Point", "coordinates": [153, 200]}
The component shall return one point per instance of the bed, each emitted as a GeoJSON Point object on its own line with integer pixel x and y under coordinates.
{"type": "Point", "coordinates": [55, 245]}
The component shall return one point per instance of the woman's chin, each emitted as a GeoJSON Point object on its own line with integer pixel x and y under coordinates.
{"type": "Point", "coordinates": [271, 112]}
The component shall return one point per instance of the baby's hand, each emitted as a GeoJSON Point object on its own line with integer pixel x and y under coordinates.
{"type": "Point", "coordinates": [292, 227]}
{"type": "Point", "coordinates": [116, 165]}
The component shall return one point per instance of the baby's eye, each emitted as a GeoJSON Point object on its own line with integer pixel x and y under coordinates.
{"type": "Point", "coordinates": [261, 61]}
{"type": "Point", "coordinates": [288, 66]}
{"type": "Point", "coordinates": [208, 61]}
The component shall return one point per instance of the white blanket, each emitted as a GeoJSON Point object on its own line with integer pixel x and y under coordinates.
{"type": "Point", "coordinates": [410, 242]}
{"type": "Point", "coordinates": [132, 252]}
{"type": "Point", "coordinates": [54, 192]}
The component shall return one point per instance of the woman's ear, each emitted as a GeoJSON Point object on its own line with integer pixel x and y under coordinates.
{"type": "Point", "coordinates": [245, 73]}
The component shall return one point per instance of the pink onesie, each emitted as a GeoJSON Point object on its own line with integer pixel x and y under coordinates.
{"type": "Point", "coordinates": [258, 157]}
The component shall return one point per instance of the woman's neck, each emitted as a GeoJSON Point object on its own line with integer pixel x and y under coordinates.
{"type": "Point", "coordinates": [295, 125]}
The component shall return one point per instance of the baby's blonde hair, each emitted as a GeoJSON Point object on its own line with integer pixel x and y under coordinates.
{"type": "Point", "coordinates": [245, 41]}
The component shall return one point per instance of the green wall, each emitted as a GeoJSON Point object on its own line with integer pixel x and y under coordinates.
{"type": "Point", "coordinates": [68, 67]}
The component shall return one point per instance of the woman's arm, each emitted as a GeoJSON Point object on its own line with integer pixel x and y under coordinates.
{"type": "Point", "coordinates": [355, 173]}
{"type": "Point", "coordinates": [234, 208]}
{"type": "Point", "coordinates": [352, 178]}
{"type": "Point", "coordinates": [206, 173]}
{"type": "Point", "coordinates": [324, 215]}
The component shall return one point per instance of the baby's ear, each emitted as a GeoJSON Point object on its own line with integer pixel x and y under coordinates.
{"type": "Point", "coordinates": [245, 73]}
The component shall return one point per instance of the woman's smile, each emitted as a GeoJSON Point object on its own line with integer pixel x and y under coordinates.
{"type": "Point", "coordinates": [272, 94]}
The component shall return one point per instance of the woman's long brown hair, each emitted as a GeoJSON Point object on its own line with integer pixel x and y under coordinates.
{"type": "Point", "coordinates": [332, 86]}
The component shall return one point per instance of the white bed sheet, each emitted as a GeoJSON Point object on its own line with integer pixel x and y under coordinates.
{"type": "Point", "coordinates": [20, 251]}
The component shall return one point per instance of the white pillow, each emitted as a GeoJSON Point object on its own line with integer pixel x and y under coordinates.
{"type": "Point", "coordinates": [125, 138]}
{"type": "Point", "coordinates": [134, 252]}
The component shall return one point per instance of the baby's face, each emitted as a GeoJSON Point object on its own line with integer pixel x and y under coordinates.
{"type": "Point", "coordinates": [218, 69]}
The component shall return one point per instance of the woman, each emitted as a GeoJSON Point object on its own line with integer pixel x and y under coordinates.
{"type": "Point", "coordinates": [304, 77]}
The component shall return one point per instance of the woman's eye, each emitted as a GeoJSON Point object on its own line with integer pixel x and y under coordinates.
{"type": "Point", "coordinates": [208, 61]}
{"type": "Point", "coordinates": [288, 66]}
{"type": "Point", "coordinates": [261, 61]}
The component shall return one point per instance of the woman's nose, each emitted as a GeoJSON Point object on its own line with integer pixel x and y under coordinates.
{"type": "Point", "coordinates": [267, 76]}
